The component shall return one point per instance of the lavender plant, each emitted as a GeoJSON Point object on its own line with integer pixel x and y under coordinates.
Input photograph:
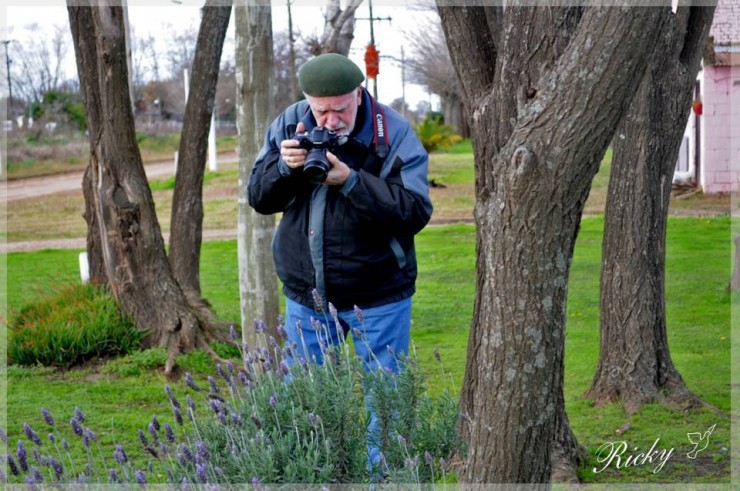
{"type": "Point", "coordinates": [275, 417]}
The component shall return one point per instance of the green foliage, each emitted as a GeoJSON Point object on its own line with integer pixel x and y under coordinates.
{"type": "Point", "coordinates": [268, 422]}
{"type": "Point", "coordinates": [75, 324]}
{"type": "Point", "coordinates": [434, 134]}
{"type": "Point", "coordinates": [137, 363]}
{"type": "Point", "coordinates": [56, 103]}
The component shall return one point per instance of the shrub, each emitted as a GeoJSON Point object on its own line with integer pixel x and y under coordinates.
{"type": "Point", "coordinates": [434, 134]}
{"type": "Point", "coordinates": [75, 324]}
{"type": "Point", "coordinates": [268, 421]}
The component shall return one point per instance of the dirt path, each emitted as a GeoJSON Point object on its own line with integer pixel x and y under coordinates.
{"type": "Point", "coordinates": [71, 181]}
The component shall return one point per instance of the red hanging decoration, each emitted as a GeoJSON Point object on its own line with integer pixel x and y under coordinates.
{"type": "Point", "coordinates": [372, 62]}
{"type": "Point", "coordinates": [698, 107]}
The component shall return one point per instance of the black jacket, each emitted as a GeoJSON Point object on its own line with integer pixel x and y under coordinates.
{"type": "Point", "coordinates": [354, 243]}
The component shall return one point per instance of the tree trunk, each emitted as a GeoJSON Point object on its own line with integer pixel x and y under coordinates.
{"type": "Point", "coordinates": [635, 365]}
{"type": "Point", "coordinates": [339, 29]}
{"type": "Point", "coordinates": [130, 239]}
{"type": "Point", "coordinates": [535, 159]}
{"type": "Point", "coordinates": [735, 280]}
{"type": "Point", "coordinates": [258, 289]}
{"type": "Point", "coordinates": [186, 229]}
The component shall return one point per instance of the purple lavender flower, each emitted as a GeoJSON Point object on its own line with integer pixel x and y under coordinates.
{"type": "Point", "coordinates": [273, 342]}
{"type": "Point", "coordinates": [22, 456]}
{"type": "Point", "coordinates": [232, 333]}
{"type": "Point", "coordinates": [213, 385]}
{"type": "Point", "coordinates": [164, 448]}
{"type": "Point", "coordinates": [185, 484]}
{"type": "Point", "coordinates": [283, 369]}
{"type": "Point", "coordinates": [260, 326]}
{"type": "Point", "coordinates": [256, 482]}
{"type": "Point", "coordinates": [171, 396]}
{"type": "Point", "coordinates": [428, 458]}
{"type": "Point", "coordinates": [86, 440]}
{"type": "Point", "coordinates": [140, 478]}
{"type": "Point", "coordinates": [38, 457]}
{"type": "Point", "coordinates": [267, 365]}
{"type": "Point", "coordinates": [237, 420]}
{"type": "Point", "coordinates": [31, 435]}
{"type": "Point", "coordinates": [388, 370]}
{"type": "Point", "coordinates": [282, 332]}
{"type": "Point", "coordinates": [230, 366]}
{"type": "Point", "coordinates": [47, 417]}
{"type": "Point", "coordinates": [243, 378]}
{"type": "Point", "coordinates": [201, 474]}
{"type": "Point", "coordinates": [359, 314]}
{"type": "Point", "coordinates": [76, 426]}
{"type": "Point", "coordinates": [168, 433]}
{"type": "Point", "coordinates": [113, 476]}
{"type": "Point", "coordinates": [119, 454]}
{"type": "Point", "coordinates": [57, 467]}
{"type": "Point", "coordinates": [202, 450]}
{"type": "Point", "coordinates": [191, 402]}
{"type": "Point", "coordinates": [315, 324]}
{"type": "Point", "coordinates": [443, 463]}
{"type": "Point", "coordinates": [142, 437]}
{"type": "Point", "coordinates": [313, 419]}
{"type": "Point", "coordinates": [220, 370]}
{"type": "Point", "coordinates": [79, 415]}
{"type": "Point", "coordinates": [3, 436]}
{"type": "Point", "coordinates": [436, 355]}
{"type": "Point", "coordinates": [245, 347]}
{"type": "Point", "coordinates": [178, 416]}
{"type": "Point", "coordinates": [185, 455]}
{"type": "Point", "coordinates": [31, 483]}
{"type": "Point", "coordinates": [299, 327]}
{"type": "Point", "coordinates": [401, 440]}
{"type": "Point", "coordinates": [152, 431]}
{"type": "Point", "coordinates": [317, 302]}
{"type": "Point", "coordinates": [273, 400]}
{"type": "Point", "coordinates": [65, 445]}
{"type": "Point", "coordinates": [52, 438]}
{"type": "Point", "coordinates": [91, 434]}
{"type": "Point", "coordinates": [190, 382]}
{"type": "Point", "coordinates": [12, 466]}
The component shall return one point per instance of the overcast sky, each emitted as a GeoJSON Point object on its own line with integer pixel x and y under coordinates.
{"type": "Point", "coordinates": [159, 18]}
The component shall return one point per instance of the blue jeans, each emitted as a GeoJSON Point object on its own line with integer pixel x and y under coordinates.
{"type": "Point", "coordinates": [385, 326]}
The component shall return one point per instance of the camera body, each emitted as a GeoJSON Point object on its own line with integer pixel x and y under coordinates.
{"type": "Point", "coordinates": [317, 142]}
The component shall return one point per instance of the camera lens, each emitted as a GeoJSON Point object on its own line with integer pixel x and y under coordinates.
{"type": "Point", "coordinates": [316, 167]}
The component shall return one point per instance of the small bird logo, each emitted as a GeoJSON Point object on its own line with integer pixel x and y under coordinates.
{"type": "Point", "coordinates": [700, 441]}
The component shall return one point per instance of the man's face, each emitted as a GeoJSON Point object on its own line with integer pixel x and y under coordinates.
{"type": "Point", "coordinates": [336, 112]}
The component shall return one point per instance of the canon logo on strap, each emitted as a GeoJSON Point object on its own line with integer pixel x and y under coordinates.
{"type": "Point", "coordinates": [381, 128]}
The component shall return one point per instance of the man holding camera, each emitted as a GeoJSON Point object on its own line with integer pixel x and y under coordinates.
{"type": "Point", "coordinates": [350, 177]}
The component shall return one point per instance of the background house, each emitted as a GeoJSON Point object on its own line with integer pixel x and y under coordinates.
{"type": "Point", "coordinates": [710, 152]}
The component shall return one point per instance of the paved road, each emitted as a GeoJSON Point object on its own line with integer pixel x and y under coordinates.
{"type": "Point", "coordinates": [72, 181]}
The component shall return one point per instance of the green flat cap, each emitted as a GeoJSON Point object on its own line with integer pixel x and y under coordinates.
{"type": "Point", "coordinates": [329, 74]}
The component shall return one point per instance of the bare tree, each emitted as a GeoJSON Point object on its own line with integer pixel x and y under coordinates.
{"type": "Point", "coordinates": [429, 65]}
{"type": "Point", "coordinates": [186, 225]}
{"type": "Point", "coordinates": [339, 29]}
{"type": "Point", "coordinates": [38, 63]}
{"type": "Point", "coordinates": [128, 237]}
{"type": "Point", "coordinates": [545, 100]}
{"type": "Point", "coordinates": [635, 364]}
{"type": "Point", "coordinates": [258, 287]}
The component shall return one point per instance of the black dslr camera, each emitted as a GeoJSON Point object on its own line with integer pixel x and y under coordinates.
{"type": "Point", "coordinates": [317, 142]}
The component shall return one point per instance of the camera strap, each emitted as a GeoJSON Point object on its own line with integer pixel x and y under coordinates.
{"type": "Point", "coordinates": [379, 130]}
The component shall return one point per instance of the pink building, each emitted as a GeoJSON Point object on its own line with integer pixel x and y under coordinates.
{"type": "Point", "coordinates": [710, 153]}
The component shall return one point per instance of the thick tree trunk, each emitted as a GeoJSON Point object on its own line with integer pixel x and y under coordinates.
{"type": "Point", "coordinates": [131, 242]}
{"type": "Point", "coordinates": [635, 365]}
{"type": "Point", "coordinates": [535, 160]}
{"type": "Point", "coordinates": [186, 226]}
{"type": "Point", "coordinates": [258, 289]}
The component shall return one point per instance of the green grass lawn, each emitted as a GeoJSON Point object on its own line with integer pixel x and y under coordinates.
{"type": "Point", "coordinates": [698, 269]}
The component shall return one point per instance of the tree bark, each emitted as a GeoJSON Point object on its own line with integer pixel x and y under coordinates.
{"type": "Point", "coordinates": [339, 29]}
{"type": "Point", "coordinates": [635, 364]}
{"type": "Point", "coordinates": [258, 289]}
{"type": "Point", "coordinates": [186, 225]}
{"type": "Point", "coordinates": [132, 248]}
{"type": "Point", "coordinates": [735, 280]}
{"type": "Point", "coordinates": [535, 159]}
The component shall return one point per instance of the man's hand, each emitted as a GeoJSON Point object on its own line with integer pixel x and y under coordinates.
{"type": "Point", "coordinates": [339, 172]}
{"type": "Point", "coordinates": [293, 156]}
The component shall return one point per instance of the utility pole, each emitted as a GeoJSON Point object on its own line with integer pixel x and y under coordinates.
{"type": "Point", "coordinates": [372, 39]}
{"type": "Point", "coordinates": [6, 42]}
{"type": "Point", "coordinates": [291, 55]}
